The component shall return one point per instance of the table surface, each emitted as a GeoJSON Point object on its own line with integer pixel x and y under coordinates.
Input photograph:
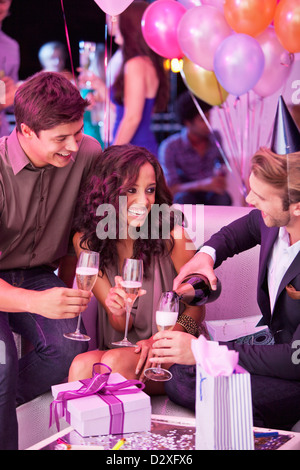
{"type": "Point", "coordinates": [167, 433]}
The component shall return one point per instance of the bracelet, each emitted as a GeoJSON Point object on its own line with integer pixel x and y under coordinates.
{"type": "Point", "coordinates": [191, 326]}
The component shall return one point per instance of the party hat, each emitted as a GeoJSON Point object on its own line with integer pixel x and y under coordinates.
{"type": "Point", "coordinates": [286, 135]}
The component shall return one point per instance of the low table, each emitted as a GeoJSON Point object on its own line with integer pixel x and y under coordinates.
{"type": "Point", "coordinates": [168, 433]}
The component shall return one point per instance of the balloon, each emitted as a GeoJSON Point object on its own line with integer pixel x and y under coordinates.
{"type": "Point", "coordinates": [200, 31]}
{"type": "Point", "coordinates": [113, 7]}
{"type": "Point", "coordinates": [249, 16]}
{"type": "Point", "coordinates": [287, 24]}
{"type": "Point", "coordinates": [159, 27]}
{"type": "Point", "coordinates": [278, 64]}
{"type": "Point", "coordinates": [190, 3]}
{"type": "Point", "coordinates": [214, 3]}
{"type": "Point", "coordinates": [203, 83]}
{"type": "Point", "coordinates": [239, 63]}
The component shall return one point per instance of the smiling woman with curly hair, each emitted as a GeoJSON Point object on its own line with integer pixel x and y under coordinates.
{"type": "Point", "coordinates": [132, 175]}
{"type": "Point", "coordinates": [114, 176]}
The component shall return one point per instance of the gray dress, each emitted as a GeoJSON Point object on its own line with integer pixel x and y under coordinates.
{"type": "Point", "coordinates": [160, 279]}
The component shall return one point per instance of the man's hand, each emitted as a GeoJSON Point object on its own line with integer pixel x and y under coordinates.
{"type": "Point", "coordinates": [58, 302]}
{"type": "Point", "coordinates": [201, 263]}
{"type": "Point", "coordinates": [172, 347]}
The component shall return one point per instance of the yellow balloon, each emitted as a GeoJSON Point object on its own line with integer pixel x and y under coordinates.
{"type": "Point", "coordinates": [203, 83]}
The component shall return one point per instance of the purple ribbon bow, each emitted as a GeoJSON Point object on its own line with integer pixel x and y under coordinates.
{"type": "Point", "coordinates": [97, 385]}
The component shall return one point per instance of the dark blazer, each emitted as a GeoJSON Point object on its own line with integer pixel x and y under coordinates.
{"type": "Point", "coordinates": [283, 358]}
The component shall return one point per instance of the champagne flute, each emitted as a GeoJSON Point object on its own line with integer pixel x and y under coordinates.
{"type": "Point", "coordinates": [132, 277]}
{"type": "Point", "coordinates": [166, 318]}
{"type": "Point", "coordinates": [86, 275]}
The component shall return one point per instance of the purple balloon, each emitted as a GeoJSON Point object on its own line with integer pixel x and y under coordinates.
{"type": "Point", "coordinates": [239, 63]}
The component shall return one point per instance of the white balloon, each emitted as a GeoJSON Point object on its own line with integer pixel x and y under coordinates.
{"type": "Point", "coordinates": [113, 7]}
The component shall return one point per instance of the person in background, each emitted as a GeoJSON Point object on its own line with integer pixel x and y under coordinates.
{"type": "Point", "coordinates": [9, 70]}
{"type": "Point", "coordinates": [91, 82]}
{"type": "Point", "coordinates": [191, 161]}
{"type": "Point", "coordinates": [43, 163]}
{"type": "Point", "coordinates": [275, 225]}
{"type": "Point", "coordinates": [53, 57]}
{"type": "Point", "coordinates": [142, 86]}
{"type": "Point", "coordinates": [135, 174]}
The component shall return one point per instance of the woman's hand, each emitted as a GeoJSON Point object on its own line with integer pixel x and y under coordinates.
{"type": "Point", "coordinates": [115, 299]}
{"type": "Point", "coordinates": [144, 347]}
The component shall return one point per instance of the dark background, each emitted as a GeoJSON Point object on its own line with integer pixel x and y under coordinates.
{"type": "Point", "coordinates": [34, 22]}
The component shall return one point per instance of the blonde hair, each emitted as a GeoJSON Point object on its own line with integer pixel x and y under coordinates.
{"type": "Point", "coordinates": [279, 171]}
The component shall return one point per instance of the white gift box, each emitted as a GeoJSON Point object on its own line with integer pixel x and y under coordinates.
{"type": "Point", "coordinates": [96, 415]}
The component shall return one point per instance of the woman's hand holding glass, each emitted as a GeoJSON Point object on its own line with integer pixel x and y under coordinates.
{"type": "Point", "coordinates": [144, 348]}
{"type": "Point", "coordinates": [132, 278]}
{"type": "Point", "coordinates": [116, 298]}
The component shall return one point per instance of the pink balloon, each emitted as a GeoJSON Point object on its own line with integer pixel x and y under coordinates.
{"type": "Point", "coordinates": [200, 31]}
{"type": "Point", "coordinates": [113, 7]}
{"type": "Point", "coordinates": [239, 63]}
{"type": "Point", "coordinates": [278, 64]}
{"type": "Point", "coordinates": [214, 3]}
{"type": "Point", "coordinates": [159, 27]}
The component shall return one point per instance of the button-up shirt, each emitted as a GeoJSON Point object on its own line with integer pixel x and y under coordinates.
{"type": "Point", "coordinates": [37, 205]}
{"type": "Point", "coordinates": [283, 254]}
{"type": "Point", "coordinates": [182, 163]}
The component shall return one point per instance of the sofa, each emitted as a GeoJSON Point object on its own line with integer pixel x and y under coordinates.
{"type": "Point", "coordinates": [238, 299]}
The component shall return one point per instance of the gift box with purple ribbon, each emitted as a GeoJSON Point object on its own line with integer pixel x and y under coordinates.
{"type": "Point", "coordinates": [105, 404]}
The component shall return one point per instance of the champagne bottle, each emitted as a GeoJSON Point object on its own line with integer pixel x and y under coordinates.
{"type": "Point", "coordinates": [195, 290]}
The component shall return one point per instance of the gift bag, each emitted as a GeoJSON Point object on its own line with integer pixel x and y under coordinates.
{"type": "Point", "coordinates": [223, 399]}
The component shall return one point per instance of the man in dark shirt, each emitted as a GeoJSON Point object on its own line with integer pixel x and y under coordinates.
{"type": "Point", "coordinates": [43, 164]}
{"type": "Point", "coordinates": [192, 164]}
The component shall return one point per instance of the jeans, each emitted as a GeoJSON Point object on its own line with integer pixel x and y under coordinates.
{"type": "Point", "coordinates": [45, 365]}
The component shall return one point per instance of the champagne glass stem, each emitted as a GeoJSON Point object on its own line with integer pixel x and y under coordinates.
{"type": "Point", "coordinates": [158, 366]}
{"type": "Point", "coordinates": [128, 311]}
{"type": "Point", "coordinates": [78, 324]}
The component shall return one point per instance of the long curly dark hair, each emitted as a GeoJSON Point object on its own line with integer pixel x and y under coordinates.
{"type": "Point", "coordinates": [114, 173]}
{"type": "Point", "coordinates": [135, 45]}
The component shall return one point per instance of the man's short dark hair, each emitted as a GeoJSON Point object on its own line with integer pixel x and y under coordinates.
{"type": "Point", "coordinates": [46, 100]}
{"type": "Point", "coordinates": [185, 108]}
